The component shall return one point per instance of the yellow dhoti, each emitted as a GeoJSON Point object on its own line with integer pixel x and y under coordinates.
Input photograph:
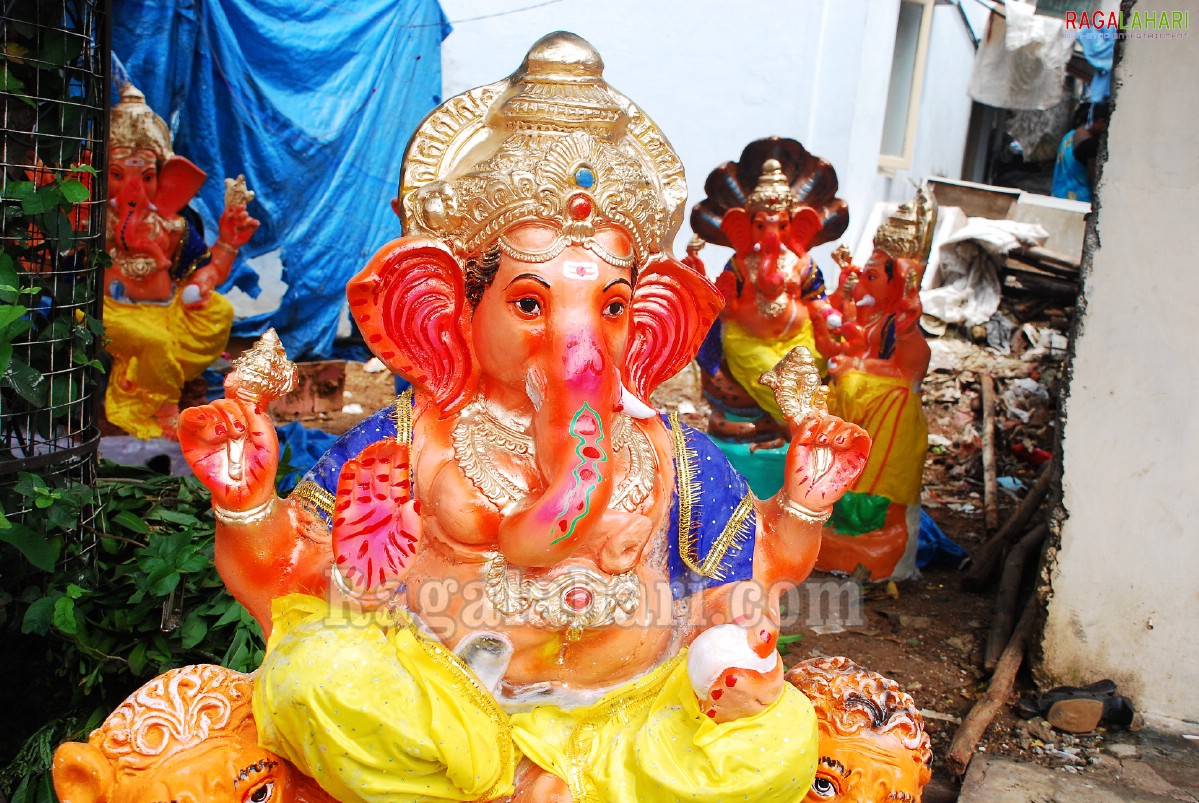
{"type": "Point", "coordinates": [748, 357]}
{"type": "Point", "coordinates": [891, 414]}
{"type": "Point", "coordinates": [155, 349]}
{"type": "Point", "coordinates": [376, 712]}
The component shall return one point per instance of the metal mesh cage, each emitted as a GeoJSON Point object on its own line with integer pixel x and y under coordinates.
{"type": "Point", "coordinates": [54, 119]}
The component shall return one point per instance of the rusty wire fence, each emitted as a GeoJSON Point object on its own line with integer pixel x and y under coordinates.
{"type": "Point", "coordinates": [53, 120]}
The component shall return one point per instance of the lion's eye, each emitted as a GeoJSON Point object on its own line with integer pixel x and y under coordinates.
{"type": "Point", "coordinates": [263, 793]}
{"type": "Point", "coordinates": [824, 787]}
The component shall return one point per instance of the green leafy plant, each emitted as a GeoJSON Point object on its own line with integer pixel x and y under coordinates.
{"type": "Point", "coordinates": [89, 615]}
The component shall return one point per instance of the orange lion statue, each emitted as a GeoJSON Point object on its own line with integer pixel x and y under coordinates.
{"type": "Point", "coordinates": [187, 735]}
{"type": "Point", "coordinates": [872, 741]}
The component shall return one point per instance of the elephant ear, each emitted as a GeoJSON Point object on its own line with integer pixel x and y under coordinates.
{"type": "Point", "coordinates": [673, 309]}
{"type": "Point", "coordinates": [806, 225]}
{"type": "Point", "coordinates": [178, 182]}
{"type": "Point", "coordinates": [409, 303]}
{"type": "Point", "coordinates": [739, 228]}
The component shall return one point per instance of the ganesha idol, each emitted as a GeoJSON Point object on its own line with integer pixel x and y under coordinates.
{"type": "Point", "coordinates": [877, 361]}
{"type": "Point", "coordinates": [519, 581]}
{"type": "Point", "coordinates": [770, 207]}
{"type": "Point", "coordinates": [164, 323]}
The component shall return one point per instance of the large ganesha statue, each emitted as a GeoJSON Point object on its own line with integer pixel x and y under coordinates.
{"type": "Point", "coordinates": [771, 206]}
{"type": "Point", "coordinates": [520, 581]}
{"type": "Point", "coordinates": [164, 322]}
{"type": "Point", "coordinates": [877, 361]}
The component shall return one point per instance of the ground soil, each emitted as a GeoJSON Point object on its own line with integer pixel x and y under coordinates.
{"type": "Point", "coordinates": [925, 633]}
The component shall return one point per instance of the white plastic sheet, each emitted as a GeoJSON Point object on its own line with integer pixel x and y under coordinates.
{"type": "Point", "coordinates": [1021, 63]}
{"type": "Point", "coordinates": [966, 287]}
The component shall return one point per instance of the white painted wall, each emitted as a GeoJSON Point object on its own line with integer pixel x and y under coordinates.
{"type": "Point", "coordinates": [716, 74]}
{"type": "Point", "coordinates": [1125, 598]}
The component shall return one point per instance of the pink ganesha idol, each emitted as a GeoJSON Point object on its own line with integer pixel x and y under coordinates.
{"type": "Point", "coordinates": [519, 581]}
{"type": "Point", "coordinates": [165, 324]}
{"type": "Point", "coordinates": [877, 362]}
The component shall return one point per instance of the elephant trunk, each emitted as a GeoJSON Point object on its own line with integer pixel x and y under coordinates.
{"type": "Point", "coordinates": [770, 278]}
{"type": "Point", "coordinates": [572, 436]}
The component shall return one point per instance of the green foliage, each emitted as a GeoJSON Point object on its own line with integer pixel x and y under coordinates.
{"type": "Point", "coordinates": [53, 250]}
{"type": "Point", "coordinates": [89, 615]}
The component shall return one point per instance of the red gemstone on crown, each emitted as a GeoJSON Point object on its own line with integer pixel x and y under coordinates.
{"type": "Point", "coordinates": [579, 206]}
{"type": "Point", "coordinates": [579, 598]}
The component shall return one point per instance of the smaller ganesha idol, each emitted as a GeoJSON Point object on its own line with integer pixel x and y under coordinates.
{"type": "Point", "coordinates": [873, 747]}
{"type": "Point", "coordinates": [877, 361]}
{"type": "Point", "coordinates": [770, 207]}
{"type": "Point", "coordinates": [164, 322]}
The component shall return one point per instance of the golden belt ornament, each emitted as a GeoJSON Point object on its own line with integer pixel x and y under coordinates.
{"type": "Point", "coordinates": [574, 600]}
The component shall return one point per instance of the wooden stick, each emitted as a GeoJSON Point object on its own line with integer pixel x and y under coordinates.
{"type": "Point", "coordinates": [1009, 593]}
{"type": "Point", "coordinates": [983, 565]}
{"type": "Point", "coordinates": [961, 750]}
{"type": "Point", "coordinates": [990, 475]}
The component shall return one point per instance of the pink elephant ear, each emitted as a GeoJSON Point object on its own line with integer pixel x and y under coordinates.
{"type": "Point", "coordinates": [738, 227]}
{"type": "Point", "coordinates": [178, 182]}
{"type": "Point", "coordinates": [673, 309]}
{"type": "Point", "coordinates": [805, 226]}
{"type": "Point", "coordinates": [409, 303]}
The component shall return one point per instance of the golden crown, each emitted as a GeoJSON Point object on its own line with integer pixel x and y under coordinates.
{"type": "Point", "coordinates": [773, 193]}
{"type": "Point", "coordinates": [908, 233]}
{"type": "Point", "coordinates": [552, 143]}
{"type": "Point", "coordinates": [133, 126]}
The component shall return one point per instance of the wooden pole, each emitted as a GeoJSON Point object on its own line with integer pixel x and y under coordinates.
{"type": "Point", "coordinates": [983, 565]}
{"type": "Point", "coordinates": [1009, 593]}
{"type": "Point", "coordinates": [990, 474]}
{"type": "Point", "coordinates": [961, 750]}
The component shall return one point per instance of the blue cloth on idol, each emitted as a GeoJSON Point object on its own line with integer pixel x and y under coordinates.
{"type": "Point", "coordinates": [312, 102]}
{"type": "Point", "coordinates": [194, 253]}
{"type": "Point", "coordinates": [718, 490]}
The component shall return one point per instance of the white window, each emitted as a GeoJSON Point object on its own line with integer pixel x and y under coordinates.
{"type": "Point", "coordinates": [907, 79]}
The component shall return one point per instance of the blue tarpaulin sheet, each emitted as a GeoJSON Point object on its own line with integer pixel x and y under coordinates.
{"type": "Point", "coordinates": [314, 103]}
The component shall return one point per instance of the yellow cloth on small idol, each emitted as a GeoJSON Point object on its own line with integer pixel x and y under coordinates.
{"type": "Point", "coordinates": [155, 349]}
{"type": "Point", "coordinates": [375, 712]}
{"type": "Point", "coordinates": [891, 413]}
{"type": "Point", "coordinates": [648, 742]}
{"type": "Point", "coordinates": [748, 357]}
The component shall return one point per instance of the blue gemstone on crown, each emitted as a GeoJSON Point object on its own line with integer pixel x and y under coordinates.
{"type": "Point", "coordinates": [585, 178]}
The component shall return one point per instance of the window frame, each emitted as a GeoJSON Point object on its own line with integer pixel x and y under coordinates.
{"type": "Point", "coordinates": [890, 162]}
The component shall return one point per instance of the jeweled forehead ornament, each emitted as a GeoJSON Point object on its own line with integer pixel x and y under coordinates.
{"type": "Point", "coordinates": [134, 126]}
{"type": "Point", "coordinates": [552, 144]}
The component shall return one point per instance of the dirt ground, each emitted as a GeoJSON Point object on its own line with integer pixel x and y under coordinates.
{"type": "Point", "coordinates": [926, 633]}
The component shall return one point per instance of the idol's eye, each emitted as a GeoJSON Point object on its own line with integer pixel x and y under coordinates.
{"type": "Point", "coordinates": [824, 787]}
{"type": "Point", "coordinates": [614, 309]}
{"type": "Point", "coordinates": [262, 793]}
{"type": "Point", "coordinates": [528, 305]}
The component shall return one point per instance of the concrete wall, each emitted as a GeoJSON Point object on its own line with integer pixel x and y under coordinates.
{"type": "Point", "coordinates": [716, 74]}
{"type": "Point", "coordinates": [1125, 600]}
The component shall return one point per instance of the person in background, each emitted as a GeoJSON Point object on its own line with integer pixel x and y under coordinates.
{"type": "Point", "coordinates": [1074, 171]}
